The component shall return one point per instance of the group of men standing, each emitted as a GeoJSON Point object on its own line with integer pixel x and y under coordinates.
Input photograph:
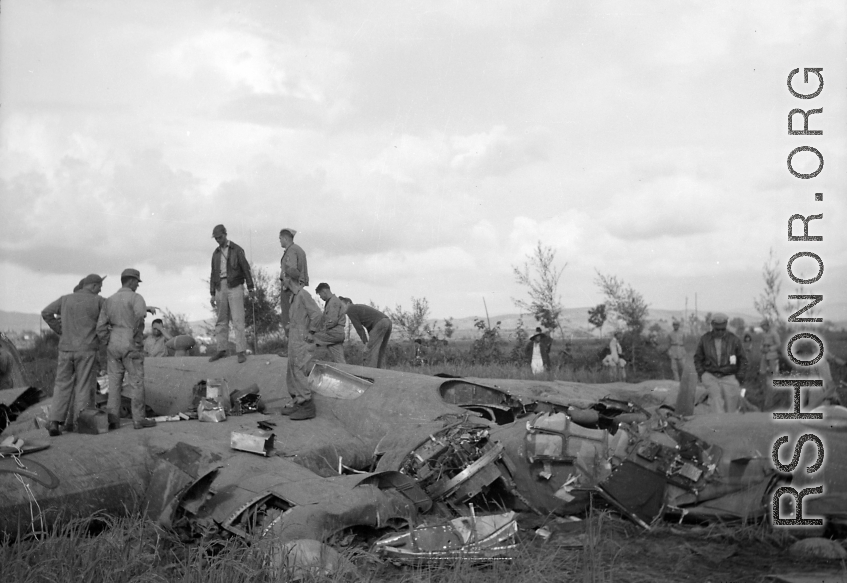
{"type": "Point", "coordinates": [85, 321]}
{"type": "Point", "coordinates": [304, 323]}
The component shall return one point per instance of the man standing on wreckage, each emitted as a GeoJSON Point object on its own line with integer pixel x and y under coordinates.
{"type": "Point", "coordinates": [121, 328]}
{"type": "Point", "coordinates": [304, 320]}
{"type": "Point", "coordinates": [76, 372]}
{"type": "Point", "coordinates": [721, 364]}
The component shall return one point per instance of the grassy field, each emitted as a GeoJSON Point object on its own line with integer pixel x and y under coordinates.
{"type": "Point", "coordinates": [603, 548]}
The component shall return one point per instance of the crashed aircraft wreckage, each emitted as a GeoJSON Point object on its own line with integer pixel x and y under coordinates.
{"type": "Point", "coordinates": [435, 460]}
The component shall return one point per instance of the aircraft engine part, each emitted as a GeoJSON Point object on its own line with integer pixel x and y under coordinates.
{"type": "Point", "coordinates": [457, 464]}
{"type": "Point", "coordinates": [479, 538]}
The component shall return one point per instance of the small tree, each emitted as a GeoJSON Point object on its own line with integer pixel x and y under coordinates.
{"type": "Point", "coordinates": [541, 278]}
{"type": "Point", "coordinates": [521, 338]}
{"type": "Point", "coordinates": [176, 324]}
{"type": "Point", "coordinates": [262, 311]}
{"type": "Point", "coordinates": [624, 301]}
{"type": "Point", "coordinates": [597, 317]}
{"type": "Point", "coordinates": [449, 327]}
{"type": "Point", "coordinates": [412, 324]}
{"type": "Point", "coordinates": [486, 348]}
{"type": "Point", "coordinates": [766, 303]}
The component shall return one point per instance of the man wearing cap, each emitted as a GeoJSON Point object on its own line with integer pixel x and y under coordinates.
{"type": "Point", "coordinates": [378, 327]}
{"type": "Point", "coordinates": [333, 324]}
{"type": "Point", "coordinates": [154, 344]}
{"type": "Point", "coordinates": [293, 257]}
{"type": "Point", "coordinates": [676, 352]}
{"type": "Point", "coordinates": [230, 270]}
{"type": "Point", "coordinates": [304, 321]}
{"type": "Point", "coordinates": [74, 318]}
{"type": "Point", "coordinates": [769, 362]}
{"type": "Point", "coordinates": [121, 328]}
{"type": "Point", "coordinates": [721, 364]}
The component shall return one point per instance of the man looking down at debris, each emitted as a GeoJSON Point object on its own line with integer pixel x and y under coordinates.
{"type": "Point", "coordinates": [333, 324]}
{"type": "Point", "coordinates": [378, 327]}
{"type": "Point", "coordinates": [121, 328]}
{"type": "Point", "coordinates": [721, 364]}
{"type": "Point", "coordinates": [304, 321]}
{"type": "Point", "coordinates": [74, 318]}
{"type": "Point", "coordinates": [154, 344]}
{"type": "Point", "coordinates": [230, 270]}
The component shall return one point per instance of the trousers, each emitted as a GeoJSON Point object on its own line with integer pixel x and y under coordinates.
{"type": "Point", "coordinates": [230, 302]}
{"type": "Point", "coordinates": [122, 363]}
{"type": "Point", "coordinates": [76, 376]}
{"type": "Point", "coordinates": [724, 392]}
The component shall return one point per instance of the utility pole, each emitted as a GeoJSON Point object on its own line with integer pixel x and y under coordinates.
{"type": "Point", "coordinates": [685, 324]}
{"type": "Point", "coordinates": [696, 313]}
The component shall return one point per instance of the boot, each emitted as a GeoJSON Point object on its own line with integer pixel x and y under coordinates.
{"type": "Point", "coordinates": [53, 429]}
{"type": "Point", "coordinates": [144, 423]}
{"type": "Point", "coordinates": [218, 355]}
{"type": "Point", "coordinates": [305, 411]}
{"type": "Point", "coordinates": [69, 428]}
{"type": "Point", "coordinates": [114, 421]}
{"type": "Point", "coordinates": [242, 357]}
{"type": "Point", "coordinates": [289, 409]}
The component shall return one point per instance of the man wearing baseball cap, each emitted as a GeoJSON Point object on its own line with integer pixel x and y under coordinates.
{"type": "Point", "coordinates": [230, 270]}
{"type": "Point", "coordinates": [74, 318]}
{"type": "Point", "coordinates": [721, 364]}
{"type": "Point", "coordinates": [121, 328]}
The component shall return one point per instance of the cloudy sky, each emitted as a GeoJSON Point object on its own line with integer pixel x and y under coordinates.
{"type": "Point", "coordinates": [419, 148]}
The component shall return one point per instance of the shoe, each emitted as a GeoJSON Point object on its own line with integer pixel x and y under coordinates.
{"type": "Point", "coordinates": [305, 411]}
{"type": "Point", "coordinates": [242, 357]}
{"type": "Point", "coordinates": [218, 355]}
{"type": "Point", "coordinates": [282, 353]}
{"type": "Point", "coordinates": [289, 409]}
{"type": "Point", "coordinates": [114, 422]}
{"type": "Point", "coordinates": [53, 429]}
{"type": "Point", "coordinates": [144, 423]}
{"type": "Point", "coordinates": [68, 428]}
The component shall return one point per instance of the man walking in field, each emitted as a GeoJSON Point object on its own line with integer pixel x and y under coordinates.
{"type": "Point", "coordinates": [333, 324]}
{"type": "Point", "coordinates": [293, 257]}
{"type": "Point", "coordinates": [304, 321]}
{"type": "Point", "coordinates": [676, 352]}
{"type": "Point", "coordinates": [74, 318]}
{"type": "Point", "coordinates": [378, 327]}
{"type": "Point", "coordinates": [121, 328]}
{"type": "Point", "coordinates": [721, 364]}
{"type": "Point", "coordinates": [230, 270]}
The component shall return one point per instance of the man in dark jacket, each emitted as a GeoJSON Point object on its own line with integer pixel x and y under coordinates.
{"type": "Point", "coordinates": [230, 271]}
{"type": "Point", "coordinates": [721, 364]}
{"type": "Point", "coordinates": [378, 327]}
